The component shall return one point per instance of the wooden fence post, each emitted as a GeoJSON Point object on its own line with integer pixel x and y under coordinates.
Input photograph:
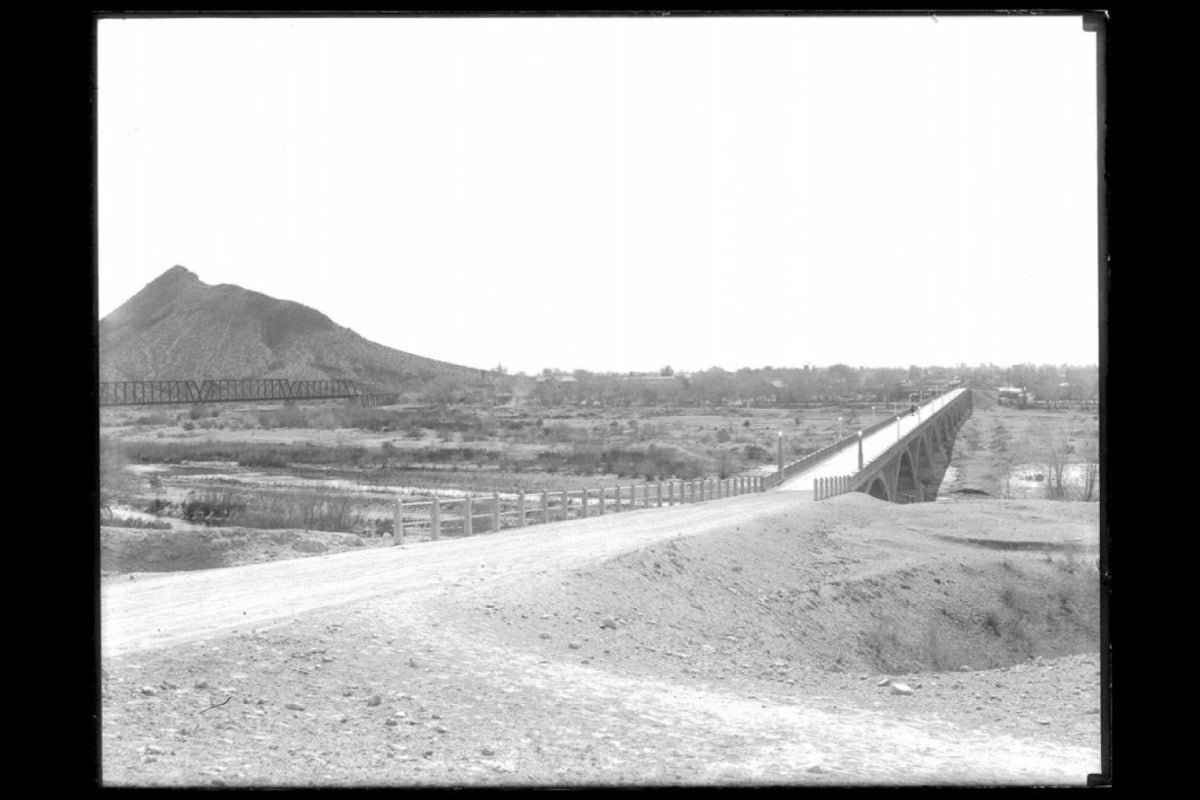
{"type": "Point", "coordinates": [584, 511]}
{"type": "Point", "coordinates": [601, 493]}
{"type": "Point", "coordinates": [468, 525]}
{"type": "Point", "coordinates": [435, 522]}
{"type": "Point", "coordinates": [671, 492]}
{"type": "Point", "coordinates": [545, 506]}
{"type": "Point", "coordinates": [660, 494]}
{"type": "Point", "coordinates": [566, 505]}
{"type": "Point", "coordinates": [495, 511]}
{"type": "Point", "coordinates": [521, 509]}
{"type": "Point", "coordinates": [398, 523]}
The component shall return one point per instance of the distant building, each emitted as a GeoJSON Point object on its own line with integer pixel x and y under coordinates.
{"type": "Point", "coordinates": [1013, 395]}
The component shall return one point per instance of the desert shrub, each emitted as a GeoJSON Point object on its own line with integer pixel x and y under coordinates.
{"type": "Point", "coordinates": [210, 507]}
{"type": "Point", "coordinates": [159, 418]}
{"type": "Point", "coordinates": [369, 419]}
{"type": "Point", "coordinates": [107, 518]}
{"type": "Point", "coordinates": [159, 506]}
{"type": "Point", "coordinates": [260, 459]}
{"type": "Point", "coordinates": [727, 464]}
{"type": "Point", "coordinates": [723, 436]}
{"type": "Point", "coordinates": [197, 411]}
{"type": "Point", "coordinates": [307, 509]}
{"type": "Point", "coordinates": [753, 452]}
{"type": "Point", "coordinates": [289, 415]}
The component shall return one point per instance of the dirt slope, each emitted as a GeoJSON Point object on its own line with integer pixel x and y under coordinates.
{"type": "Point", "coordinates": [740, 641]}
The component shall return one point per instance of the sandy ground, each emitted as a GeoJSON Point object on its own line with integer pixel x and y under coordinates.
{"type": "Point", "coordinates": [743, 641]}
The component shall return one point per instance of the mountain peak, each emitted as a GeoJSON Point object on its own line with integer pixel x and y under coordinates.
{"type": "Point", "coordinates": [180, 328]}
{"type": "Point", "coordinates": [178, 273]}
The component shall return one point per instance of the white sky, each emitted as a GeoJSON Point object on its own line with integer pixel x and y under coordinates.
{"type": "Point", "coordinates": [619, 193]}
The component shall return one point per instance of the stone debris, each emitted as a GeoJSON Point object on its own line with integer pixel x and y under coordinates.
{"type": "Point", "coordinates": [901, 688]}
{"type": "Point", "coordinates": [884, 682]}
{"type": "Point", "coordinates": [149, 691]}
{"type": "Point", "coordinates": [608, 622]}
{"type": "Point", "coordinates": [374, 700]}
{"type": "Point", "coordinates": [294, 707]}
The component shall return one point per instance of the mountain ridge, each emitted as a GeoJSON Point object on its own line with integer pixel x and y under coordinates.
{"type": "Point", "coordinates": [180, 328]}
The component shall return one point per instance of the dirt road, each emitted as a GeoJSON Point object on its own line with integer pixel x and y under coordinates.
{"type": "Point", "coordinates": [164, 610]}
{"type": "Point", "coordinates": [480, 661]}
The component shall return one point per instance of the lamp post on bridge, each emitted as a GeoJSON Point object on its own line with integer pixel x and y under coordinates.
{"type": "Point", "coordinates": [860, 457]}
{"type": "Point", "coordinates": [779, 453]}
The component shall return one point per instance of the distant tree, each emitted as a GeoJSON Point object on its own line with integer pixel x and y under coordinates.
{"type": "Point", "coordinates": [666, 371]}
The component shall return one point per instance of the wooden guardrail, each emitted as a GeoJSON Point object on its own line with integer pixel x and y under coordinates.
{"type": "Point", "coordinates": [474, 514]}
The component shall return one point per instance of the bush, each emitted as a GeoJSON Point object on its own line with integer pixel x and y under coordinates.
{"type": "Point", "coordinates": [107, 518]}
{"type": "Point", "coordinates": [159, 506]}
{"type": "Point", "coordinates": [159, 418]}
{"type": "Point", "coordinates": [211, 507]}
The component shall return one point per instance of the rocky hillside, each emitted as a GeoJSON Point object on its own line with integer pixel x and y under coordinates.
{"type": "Point", "coordinates": [179, 328]}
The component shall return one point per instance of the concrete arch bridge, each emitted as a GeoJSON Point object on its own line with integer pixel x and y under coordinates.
{"type": "Point", "coordinates": [901, 459]}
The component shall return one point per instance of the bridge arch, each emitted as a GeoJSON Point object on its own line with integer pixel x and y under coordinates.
{"type": "Point", "coordinates": [925, 472]}
{"type": "Point", "coordinates": [906, 480]}
{"type": "Point", "coordinates": [878, 488]}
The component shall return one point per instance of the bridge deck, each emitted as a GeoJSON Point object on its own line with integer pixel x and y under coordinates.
{"type": "Point", "coordinates": [845, 460]}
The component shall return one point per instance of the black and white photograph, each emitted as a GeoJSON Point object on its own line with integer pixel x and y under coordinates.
{"type": "Point", "coordinates": [638, 399]}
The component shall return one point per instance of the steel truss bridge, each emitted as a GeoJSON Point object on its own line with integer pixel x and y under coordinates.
{"type": "Point", "coordinates": [224, 390]}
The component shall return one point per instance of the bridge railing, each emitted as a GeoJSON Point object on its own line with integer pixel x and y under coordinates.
{"type": "Point", "coordinates": [470, 514]}
{"type": "Point", "coordinates": [824, 488]}
{"type": "Point", "coordinates": [894, 449]}
{"type": "Point", "coordinates": [796, 467]}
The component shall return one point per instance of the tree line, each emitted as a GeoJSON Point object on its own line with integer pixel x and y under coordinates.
{"type": "Point", "coordinates": [764, 385]}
